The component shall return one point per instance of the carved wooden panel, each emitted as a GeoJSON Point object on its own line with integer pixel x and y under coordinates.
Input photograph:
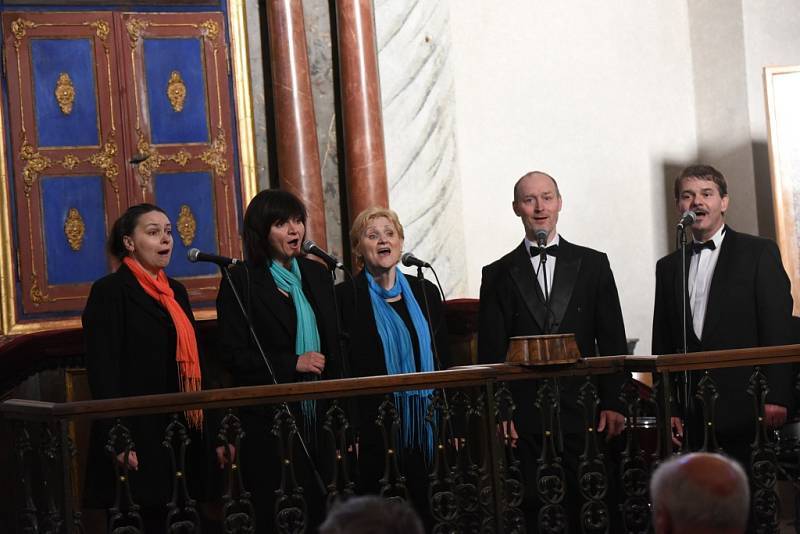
{"type": "Point", "coordinates": [105, 110]}
{"type": "Point", "coordinates": [68, 180]}
{"type": "Point", "coordinates": [177, 70]}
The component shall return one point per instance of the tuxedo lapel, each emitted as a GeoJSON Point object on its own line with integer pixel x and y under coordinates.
{"type": "Point", "coordinates": [523, 275]}
{"type": "Point", "coordinates": [719, 281]}
{"type": "Point", "coordinates": [566, 275]}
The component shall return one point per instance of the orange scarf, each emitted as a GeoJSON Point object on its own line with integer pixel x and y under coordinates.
{"type": "Point", "coordinates": [186, 354]}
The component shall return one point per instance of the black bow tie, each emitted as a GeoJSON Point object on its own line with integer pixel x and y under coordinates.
{"type": "Point", "coordinates": [552, 250]}
{"type": "Point", "coordinates": [697, 248]}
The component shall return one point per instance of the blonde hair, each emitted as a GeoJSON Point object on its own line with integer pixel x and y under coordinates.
{"type": "Point", "coordinates": [364, 218]}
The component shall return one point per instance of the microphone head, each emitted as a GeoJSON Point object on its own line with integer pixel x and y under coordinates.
{"type": "Point", "coordinates": [407, 259]}
{"type": "Point", "coordinates": [308, 246]}
{"type": "Point", "coordinates": [192, 254]}
{"type": "Point", "coordinates": [541, 236]}
{"type": "Point", "coordinates": [688, 218]}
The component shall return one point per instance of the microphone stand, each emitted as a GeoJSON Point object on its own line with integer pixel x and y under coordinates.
{"type": "Point", "coordinates": [682, 243]}
{"type": "Point", "coordinates": [438, 362]}
{"type": "Point", "coordinates": [227, 276]}
{"type": "Point", "coordinates": [547, 330]}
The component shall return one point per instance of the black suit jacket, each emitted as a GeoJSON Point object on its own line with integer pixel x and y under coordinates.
{"type": "Point", "coordinates": [584, 301]}
{"type": "Point", "coordinates": [749, 305]}
{"type": "Point", "coordinates": [275, 323]}
{"type": "Point", "coordinates": [130, 350]}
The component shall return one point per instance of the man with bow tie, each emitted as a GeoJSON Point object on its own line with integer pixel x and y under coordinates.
{"type": "Point", "coordinates": [565, 289]}
{"type": "Point", "coordinates": [738, 296]}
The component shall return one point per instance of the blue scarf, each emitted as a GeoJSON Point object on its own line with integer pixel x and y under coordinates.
{"type": "Point", "coordinates": [306, 334]}
{"type": "Point", "coordinates": [399, 356]}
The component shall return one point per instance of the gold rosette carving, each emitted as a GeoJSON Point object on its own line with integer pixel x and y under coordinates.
{"type": "Point", "coordinates": [187, 225]}
{"type": "Point", "coordinates": [65, 93]}
{"type": "Point", "coordinates": [176, 91]}
{"type": "Point", "coordinates": [74, 229]}
{"type": "Point", "coordinates": [214, 157]}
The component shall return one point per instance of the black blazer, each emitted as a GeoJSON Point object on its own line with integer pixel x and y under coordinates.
{"type": "Point", "coordinates": [130, 350]}
{"type": "Point", "coordinates": [364, 354]}
{"type": "Point", "coordinates": [275, 323]}
{"type": "Point", "coordinates": [584, 301]}
{"type": "Point", "coordinates": [749, 305]}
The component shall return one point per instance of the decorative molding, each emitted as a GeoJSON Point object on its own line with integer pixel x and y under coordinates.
{"type": "Point", "coordinates": [74, 229]}
{"type": "Point", "coordinates": [214, 157]}
{"type": "Point", "coordinates": [102, 29]}
{"type": "Point", "coordinates": [36, 164]}
{"type": "Point", "coordinates": [176, 91]}
{"type": "Point", "coordinates": [187, 225]}
{"type": "Point", "coordinates": [64, 93]}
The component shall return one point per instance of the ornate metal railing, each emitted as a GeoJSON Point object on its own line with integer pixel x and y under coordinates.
{"type": "Point", "coordinates": [476, 483]}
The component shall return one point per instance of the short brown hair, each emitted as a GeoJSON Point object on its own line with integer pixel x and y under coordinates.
{"type": "Point", "coordinates": [701, 172]}
{"type": "Point", "coordinates": [362, 220]}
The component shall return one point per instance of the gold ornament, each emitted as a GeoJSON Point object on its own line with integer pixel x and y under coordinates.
{"type": "Point", "coordinates": [65, 93]}
{"type": "Point", "coordinates": [187, 225]}
{"type": "Point", "coordinates": [74, 229]}
{"type": "Point", "coordinates": [176, 91]}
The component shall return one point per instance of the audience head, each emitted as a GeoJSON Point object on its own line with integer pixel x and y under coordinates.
{"type": "Point", "coordinates": [700, 493]}
{"type": "Point", "coordinates": [144, 233]}
{"type": "Point", "coordinates": [376, 237]}
{"type": "Point", "coordinates": [372, 515]}
{"type": "Point", "coordinates": [274, 227]}
{"type": "Point", "coordinates": [537, 201]}
{"type": "Point", "coordinates": [702, 189]}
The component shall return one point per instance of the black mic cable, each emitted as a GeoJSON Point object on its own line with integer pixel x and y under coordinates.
{"type": "Point", "coordinates": [227, 275]}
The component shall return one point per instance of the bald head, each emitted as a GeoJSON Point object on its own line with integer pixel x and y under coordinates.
{"type": "Point", "coordinates": [533, 175]}
{"type": "Point", "coordinates": [700, 493]}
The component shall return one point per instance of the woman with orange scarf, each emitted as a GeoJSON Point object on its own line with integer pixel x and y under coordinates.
{"type": "Point", "coordinates": [140, 340]}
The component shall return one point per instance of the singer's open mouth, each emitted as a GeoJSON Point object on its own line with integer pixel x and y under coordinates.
{"type": "Point", "coordinates": [293, 242]}
{"type": "Point", "coordinates": [384, 251]}
{"type": "Point", "coordinates": [164, 252]}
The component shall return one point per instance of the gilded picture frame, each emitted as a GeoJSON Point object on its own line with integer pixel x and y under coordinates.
{"type": "Point", "coordinates": [782, 93]}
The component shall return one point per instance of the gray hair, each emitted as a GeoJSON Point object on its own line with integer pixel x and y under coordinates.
{"type": "Point", "coordinates": [678, 488]}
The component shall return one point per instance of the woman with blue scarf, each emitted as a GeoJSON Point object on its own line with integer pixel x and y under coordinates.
{"type": "Point", "coordinates": [383, 313]}
{"type": "Point", "coordinates": [290, 302]}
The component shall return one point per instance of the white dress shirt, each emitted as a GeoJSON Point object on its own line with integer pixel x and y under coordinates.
{"type": "Point", "coordinates": [550, 265]}
{"type": "Point", "coordinates": [701, 270]}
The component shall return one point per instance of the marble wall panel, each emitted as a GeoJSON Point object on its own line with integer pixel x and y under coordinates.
{"type": "Point", "coordinates": [320, 60]}
{"type": "Point", "coordinates": [419, 128]}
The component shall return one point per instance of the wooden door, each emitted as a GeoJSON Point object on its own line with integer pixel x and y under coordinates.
{"type": "Point", "coordinates": [108, 110]}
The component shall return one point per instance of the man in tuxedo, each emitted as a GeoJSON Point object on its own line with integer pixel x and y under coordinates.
{"type": "Point", "coordinates": [573, 291]}
{"type": "Point", "coordinates": [738, 296]}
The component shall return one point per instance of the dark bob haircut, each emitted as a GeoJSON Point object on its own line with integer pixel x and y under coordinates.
{"type": "Point", "coordinates": [269, 207]}
{"type": "Point", "coordinates": [125, 225]}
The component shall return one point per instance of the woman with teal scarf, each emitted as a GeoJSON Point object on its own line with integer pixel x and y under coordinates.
{"type": "Point", "coordinates": [383, 315]}
{"type": "Point", "coordinates": [291, 305]}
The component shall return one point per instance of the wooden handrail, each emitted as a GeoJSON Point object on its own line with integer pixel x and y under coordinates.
{"type": "Point", "coordinates": [351, 387]}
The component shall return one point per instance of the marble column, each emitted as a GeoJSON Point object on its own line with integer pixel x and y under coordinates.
{"type": "Point", "coordinates": [295, 124]}
{"type": "Point", "coordinates": [365, 155]}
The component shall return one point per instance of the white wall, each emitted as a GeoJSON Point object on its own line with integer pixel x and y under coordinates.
{"type": "Point", "coordinates": [601, 96]}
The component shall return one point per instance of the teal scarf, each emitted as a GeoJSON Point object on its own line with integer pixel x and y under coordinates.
{"type": "Point", "coordinates": [399, 357]}
{"type": "Point", "coordinates": [307, 334]}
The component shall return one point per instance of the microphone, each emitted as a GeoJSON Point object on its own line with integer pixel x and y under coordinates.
{"type": "Point", "coordinates": [409, 260]}
{"type": "Point", "coordinates": [309, 247]}
{"type": "Point", "coordinates": [687, 219]}
{"type": "Point", "coordinates": [541, 238]}
{"type": "Point", "coordinates": [195, 255]}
